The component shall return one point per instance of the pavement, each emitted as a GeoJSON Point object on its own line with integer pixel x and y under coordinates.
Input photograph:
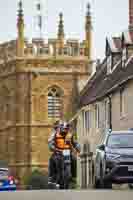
{"type": "Point", "coordinates": [68, 195]}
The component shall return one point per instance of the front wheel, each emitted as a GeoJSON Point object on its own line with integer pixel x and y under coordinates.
{"type": "Point", "coordinates": [67, 176]}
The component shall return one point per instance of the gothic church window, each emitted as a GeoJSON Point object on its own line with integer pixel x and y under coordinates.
{"type": "Point", "coordinates": [54, 103]}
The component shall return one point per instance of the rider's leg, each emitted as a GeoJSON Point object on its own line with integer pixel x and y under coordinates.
{"type": "Point", "coordinates": [51, 169]}
{"type": "Point", "coordinates": [59, 170]}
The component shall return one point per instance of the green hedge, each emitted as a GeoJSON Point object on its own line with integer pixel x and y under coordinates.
{"type": "Point", "coordinates": [36, 180]}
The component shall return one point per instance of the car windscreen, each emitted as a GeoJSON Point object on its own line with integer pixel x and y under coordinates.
{"type": "Point", "coordinates": [120, 141]}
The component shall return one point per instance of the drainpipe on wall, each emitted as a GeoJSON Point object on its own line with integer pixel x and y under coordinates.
{"type": "Point", "coordinates": [110, 112]}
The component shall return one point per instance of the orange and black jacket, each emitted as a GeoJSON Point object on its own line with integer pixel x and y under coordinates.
{"type": "Point", "coordinates": [58, 141]}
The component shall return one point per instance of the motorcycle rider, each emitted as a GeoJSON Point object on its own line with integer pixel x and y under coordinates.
{"type": "Point", "coordinates": [62, 140]}
{"type": "Point", "coordinates": [52, 164]}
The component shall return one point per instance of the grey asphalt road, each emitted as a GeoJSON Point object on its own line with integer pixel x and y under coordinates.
{"type": "Point", "coordinates": [68, 195]}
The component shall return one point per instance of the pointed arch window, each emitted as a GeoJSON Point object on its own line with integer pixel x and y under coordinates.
{"type": "Point", "coordinates": [54, 103]}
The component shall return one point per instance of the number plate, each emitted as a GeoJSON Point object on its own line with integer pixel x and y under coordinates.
{"type": "Point", "coordinates": [130, 168]}
{"type": "Point", "coordinates": [66, 152]}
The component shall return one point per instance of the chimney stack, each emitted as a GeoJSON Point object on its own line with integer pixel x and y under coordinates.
{"type": "Point", "coordinates": [130, 14]}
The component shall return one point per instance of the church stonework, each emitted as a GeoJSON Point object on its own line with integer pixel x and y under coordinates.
{"type": "Point", "coordinates": [40, 83]}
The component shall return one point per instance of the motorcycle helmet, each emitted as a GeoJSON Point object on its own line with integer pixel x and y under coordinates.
{"type": "Point", "coordinates": [56, 124]}
{"type": "Point", "coordinates": [64, 127]}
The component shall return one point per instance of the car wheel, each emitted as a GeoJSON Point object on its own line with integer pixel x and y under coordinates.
{"type": "Point", "coordinates": [107, 184]}
{"type": "Point", "coordinates": [130, 185]}
{"type": "Point", "coordinates": [101, 178]}
{"type": "Point", "coordinates": [96, 183]}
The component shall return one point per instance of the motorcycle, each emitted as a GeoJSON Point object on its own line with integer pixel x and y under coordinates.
{"type": "Point", "coordinates": [63, 161]}
{"type": "Point", "coordinates": [63, 169]}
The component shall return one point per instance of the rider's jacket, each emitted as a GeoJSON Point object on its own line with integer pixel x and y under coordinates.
{"type": "Point", "coordinates": [58, 141]}
{"type": "Point", "coordinates": [63, 142]}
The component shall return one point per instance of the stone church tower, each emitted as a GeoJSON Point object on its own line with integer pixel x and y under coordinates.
{"type": "Point", "coordinates": [40, 83]}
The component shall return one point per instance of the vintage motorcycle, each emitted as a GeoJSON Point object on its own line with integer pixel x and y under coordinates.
{"type": "Point", "coordinates": [63, 169]}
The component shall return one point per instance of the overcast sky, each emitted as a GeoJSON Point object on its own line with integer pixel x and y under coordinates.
{"type": "Point", "coordinates": [109, 17]}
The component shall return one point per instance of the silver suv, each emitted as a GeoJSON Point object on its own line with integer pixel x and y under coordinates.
{"type": "Point", "coordinates": [113, 161]}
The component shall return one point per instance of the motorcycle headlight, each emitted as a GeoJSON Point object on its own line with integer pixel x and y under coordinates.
{"type": "Point", "coordinates": [11, 182]}
{"type": "Point", "coordinates": [110, 156]}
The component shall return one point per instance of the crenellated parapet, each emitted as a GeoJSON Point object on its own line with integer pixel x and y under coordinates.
{"type": "Point", "coordinates": [39, 47]}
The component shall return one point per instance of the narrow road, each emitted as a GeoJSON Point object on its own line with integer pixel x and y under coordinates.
{"type": "Point", "coordinates": [68, 195]}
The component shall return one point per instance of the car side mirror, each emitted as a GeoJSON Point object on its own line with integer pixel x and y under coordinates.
{"type": "Point", "coordinates": [101, 147]}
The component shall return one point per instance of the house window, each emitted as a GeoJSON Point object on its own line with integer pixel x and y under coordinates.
{"type": "Point", "coordinates": [97, 116]}
{"type": "Point", "coordinates": [109, 64]}
{"type": "Point", "coordinates": [107, 114]}
{"type": "Point", "coordinates": [65, 51]}
{"type": "Point", "coordinates": [87, 120]}
{"type": "Point", "coordinates": [70, 51]}
{"type": "Point", "coordinates": [124, 57]}
{"type": "Point", "coordinates": [83, 122]}
{"type": "Point", "coordinates": [106, 118]}
{"type": "Point", "coordinates": [122, 103]}
{"type": "Point", "coordinates": [46, 50]}
{"type": "Point", "coordinates": [41, 51]}
{"type": "Point", "coordinates": [75, 51]}
{"type": "Point", "coordinates": [54, 103]}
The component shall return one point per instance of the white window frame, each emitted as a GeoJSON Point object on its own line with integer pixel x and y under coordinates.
{"type": "Point", "coordinates": [107, 113]}
{"type": "Point", "coordinates": [124, 56]}
{"type": "Point", "coordinates": [122, 102]}
{"type": "Point", "coordinates": [97, 116]}
{"type": "Point", "coordinates": [87, 120]}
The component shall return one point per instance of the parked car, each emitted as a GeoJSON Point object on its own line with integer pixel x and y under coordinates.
{"type": "Point", "coordinates": [7, 182]}
{"type": "Point", "coordinates": [113, 162]}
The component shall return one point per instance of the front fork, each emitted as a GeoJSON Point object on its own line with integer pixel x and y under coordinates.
{"type": "Point", "coordinates": [67, 175]}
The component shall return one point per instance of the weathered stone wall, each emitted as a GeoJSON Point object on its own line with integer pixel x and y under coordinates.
{"type": "Point", "coordinates": [24, 123]}
{"type": "Point", "coordinates": [125, 121]}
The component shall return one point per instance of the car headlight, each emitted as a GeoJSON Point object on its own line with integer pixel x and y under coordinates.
{"type": "Point", "coordinates": [111, 156]}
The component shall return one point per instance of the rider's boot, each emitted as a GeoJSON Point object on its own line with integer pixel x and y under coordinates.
{"type": "Point", "coordinates": [51, 183]}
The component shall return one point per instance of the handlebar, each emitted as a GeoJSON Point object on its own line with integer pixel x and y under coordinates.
{"type": "Point", "coordinates": [72, 149]}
